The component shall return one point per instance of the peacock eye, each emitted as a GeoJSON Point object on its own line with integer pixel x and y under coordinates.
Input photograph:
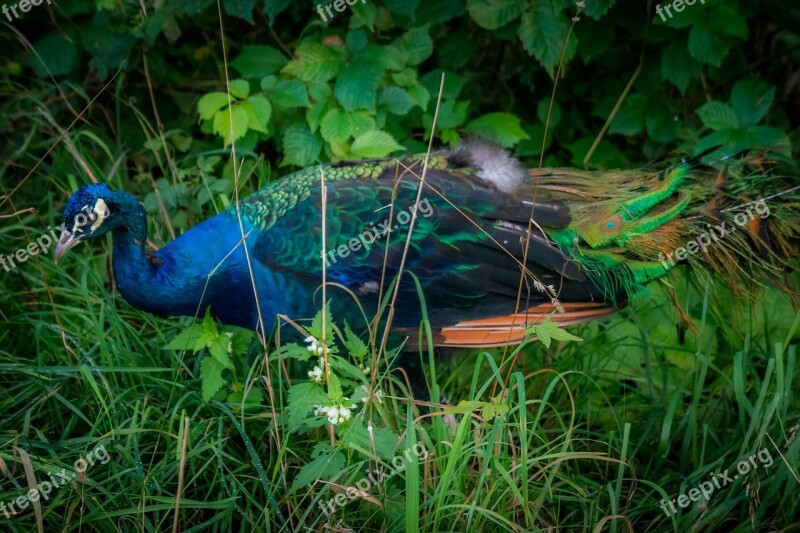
{"type": "Point", "coordinates": [610, 224]}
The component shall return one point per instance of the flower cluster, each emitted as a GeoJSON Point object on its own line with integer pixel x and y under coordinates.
{"type": "Point", "coordinates": [337, 413]}
{"type": "Point", "coordinates": [318, 372]}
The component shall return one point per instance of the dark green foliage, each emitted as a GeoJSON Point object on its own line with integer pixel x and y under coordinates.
{"type": "Point", "coordinates": [579, 436]}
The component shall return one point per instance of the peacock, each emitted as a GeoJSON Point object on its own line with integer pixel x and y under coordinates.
{"type": "Point", "coordinates": [493, 246]}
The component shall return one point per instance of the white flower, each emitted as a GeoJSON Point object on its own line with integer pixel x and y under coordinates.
{"type": "Point", "coordinates": [316, 374]}
{"type": "Point", "coordinates": [312, 344]}
{"type": "Point", "coordinates": [336, 414]}
{"type": "Point", "coordinates": [365, 394]}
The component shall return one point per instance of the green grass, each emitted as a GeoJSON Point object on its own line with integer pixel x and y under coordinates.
{"type": "Point", "coordinates": [595, 435]}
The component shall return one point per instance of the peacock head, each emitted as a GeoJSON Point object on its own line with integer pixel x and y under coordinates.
{"type": "Point", "coordinates": [92, 211]}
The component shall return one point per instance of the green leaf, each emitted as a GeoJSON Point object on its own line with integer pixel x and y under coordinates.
{"type": "Point", "coordinates": [59, 53]}
{"type": "Point", "coordinates": [452, 114]}
{"type": "Point", "coordinates": [629, 119]}
{"type": "Point", "coordinates": [597, 8]}
{"type": "Point", "coordinates": [548, 331]}
{"type": "Point", "coordinates": [257, 61]}
{"type": "Point", "coordinates": [419, 44]}
{"type": "Point", "coordinates": [210, 103]}
{"type": "Point", "coordinates": [493, 14]}
{"type": "Point", "coordinates": [275, 8]}
{"type": "Point", "coordinates": [231, 124]}
{"type": "Point", "coordinates": [766, 137]}
{"type": "Point", "coordinates": [354, 345]}
{"type": "Point", "coordinates": [326, 462]}
{"type": "Point", "coordinates": [191, 7]}
{"type": "Point", "coordinates": [335, 393]}
{"type": "Point", "coordinates": [303, 397]}
{"type": "Point", "coordinates": [315, 113]}
{"type": "Point", "coordinates": [402, 7]}
{"type": "Point", "coordinates": [219, 351]}
{"type": "Point", "coordinates": [357, 437]}
{"type": "Point", "coordinates": [315, 62]}
{"type": "Point", "coordinates": [397, 100]}
{"type": "Point", "coordinates": [187, 339]}
{"type": "Point", "coordinates": [362, 122]}
{"type": "Point", "coordinates": [502, 127]}
{"type": "Point", "coordinates": [751, 100]}
{"type": "Point", "coordinates": [678, 67]}
{"type": "Point", "coordinates": [662, 125]}
{"type": "Point", "coordinates": [258, 111]}
{"type": "Point", "coordinates": [374, 144]}
{"type": "Point", "coordinates": [300, 147]}
{"type": "Point", "coordinates": [357, 85]}
{"type": "Point", "coordinates": [544, 34]}
{"type": "Point", "coordinates": [239, 88]}
{"type": "Point", "coordinates": [211, 377]}
{"type": "Point", "coordinates": [420, 95]}
{"type": "Point", "coordinates": [717, 116]}
{"type": "Point", "coordinates": [289, 93]}
{"type": "Point", "coordinates": [336, 125]}
{"type": "Point", "coordinates": [706, 45]}
{"type": "Point", "coordinates": [242, 9]}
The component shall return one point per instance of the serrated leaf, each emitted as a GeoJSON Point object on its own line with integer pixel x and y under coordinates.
{"type": "Point", "coordinates": [258, 111]}
{"type": "Point", "coordinates": [187, 339]}
{"type": "Point", "coordinates": [211, 377]}
{"type": "Point", "coordinates": [335, 393]}
{"type": "Point", "coordinates": [327, 462]}
{"type": "Point", "coordinates": [355, 346]}
{"type": "Point", "coordinates": [662, 125]}
{"type": "Point", "coordinates": [396, 100]}
{"type": "Point", "coordinates": [303, 397]}
{"type": "Point", "coordinates": [630, 117]}
{"type": "Point", "coordinates": [544, 35]}
{"type": "Point", "coordinates": [231, 123]}
{"type": "Point", "coordinates": [257, 61]}
{"type": "Point", "coordinates": [402, 7]}
{"type": "Point", "coordinates": [59, 53]}
{"type": "Point", "coordinates": [493, 14]}
{"type": "Point", "coordinates": [289, 93]}
{"type": "Point", "coordinates": [419, 44]}
{"type": "Point", "coordinates": [420, 95]}
{"type": "Point", "coordinates": [504, 128]}
{"type": "Point", "coordinates": [315, 113]}
{"type": "Point", "coordinates": [336, 125]}
{"type": "Point", "coordinates": [384, 441]}
{"type": "Point", "coordinates": [219, 351]}
{"type": "Point", "coordinates": [210, 103]}
{"type": "Point", "coordinates": [275, 8]}
{"type": "Point", "coordinates": [678, 67]}
{"type": "Point", "coordinates": [452, 114]}
{"type": "Point", "coordinates": [549, 331]}
{"type": "Point", "coordinates": [373, 144]}
{"type": "Point", "coordinates": [718, 116]}
{"type": "Point", "coordinates": [357, 85]}
{"type": "Point", "coordinates": [315, 62]}
{"type": "Point", "coordinates": [239, 88]}
{"type": "Point", "coordinates": [597, 8]}
{"type": "Point", "coordinates": [706, 45]}
{"type": "Point", "coordinates": [362, 122]}
{"type": "Point", "coordinates": [300, 147]}
{"type": "Point", "coordinates": [751, 100]}
{"type": "Point", "coordinates": [242, 9]}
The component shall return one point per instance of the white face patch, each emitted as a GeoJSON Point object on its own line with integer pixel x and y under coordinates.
{"type": "Point", "coordinates": [102, 212]}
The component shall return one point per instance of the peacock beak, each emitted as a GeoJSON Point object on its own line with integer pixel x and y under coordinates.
{"type": "Point", "coordinates": [66, 242]}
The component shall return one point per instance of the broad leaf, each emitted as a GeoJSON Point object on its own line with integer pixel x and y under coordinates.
{"type": "Point", "coordinates": [256, 61]}
{"type": "Point", "coordinates": [501, 127]}
{"type": "Point", "coordinates": [374, 144]}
